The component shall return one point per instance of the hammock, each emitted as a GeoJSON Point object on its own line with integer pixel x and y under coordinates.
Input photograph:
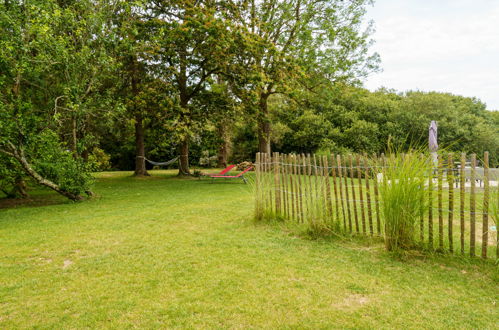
{"type": "Point", "coordinates": [171, 161]}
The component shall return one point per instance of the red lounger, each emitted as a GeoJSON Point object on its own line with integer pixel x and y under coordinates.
{"type": "Point", "coordinates": [239, 175]}
{"type": "Point", "coordinates": [224, 171]}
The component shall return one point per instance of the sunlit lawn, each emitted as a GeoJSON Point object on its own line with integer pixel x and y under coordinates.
{"type": "Point", "coordinates": [163, 252]}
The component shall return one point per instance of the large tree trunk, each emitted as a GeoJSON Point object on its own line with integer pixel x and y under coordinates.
{"type": "Point", "coordinates": [224, 146]}
{"type": "Point", "coordinates": [264, 125]}
{"type": "Point", "coordinates": [140, 161]}
{"type": "Point", "coordinates": [18, 154]}
{"type": "Point", "coordinates": [184, 157]}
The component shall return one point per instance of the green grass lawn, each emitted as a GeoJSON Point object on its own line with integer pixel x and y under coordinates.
{"type": "Point", "coordinates": [164, 252]}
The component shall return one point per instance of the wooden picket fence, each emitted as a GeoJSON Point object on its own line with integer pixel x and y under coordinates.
{"type": "Point", "coordinates": [339, 193]}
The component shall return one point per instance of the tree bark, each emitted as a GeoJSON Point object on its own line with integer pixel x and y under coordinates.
{"type": "Point", "coordinates": [140, 161]}
{"type": "Point", "coordinates": [264, 127]}
{"type": "Point", "coordinates": [184, 157]}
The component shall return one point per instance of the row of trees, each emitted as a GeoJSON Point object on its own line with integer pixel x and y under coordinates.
{"type": "Point", "coordinates": [90, 82]}
{"type": "Point", "coordinates": [76, 72]}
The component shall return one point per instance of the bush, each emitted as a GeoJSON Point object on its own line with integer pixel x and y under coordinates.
{"type": "Point", "coordinates": [99, 160]}
{"type": "Point", "coordinates": [53, 162]}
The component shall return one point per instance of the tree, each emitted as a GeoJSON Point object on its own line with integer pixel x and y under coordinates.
{"type": "Point", "coordinates": [192, 45]}
{"type": "Point", "coordinates": [39, 57]}
{"type": "Point", "coordinates": [305, 42]}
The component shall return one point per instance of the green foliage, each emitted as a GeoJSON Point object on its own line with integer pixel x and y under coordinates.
{"type": "Point", "coordinates": [57, 164]}
{"type": "Point", "coordinates": [99, 160]}
{"type": "Point", "coordinates": [403, 191]}
{"type": "Point", "coordinates": [206, 160]}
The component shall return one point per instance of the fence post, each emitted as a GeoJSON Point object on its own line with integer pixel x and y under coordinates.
{"type": "Point", "coordinates": [329, 199]}
{"type": "Point", "coordinates": [376, 193]}
{"type": "Point", "coordinates": [361, 195]}
{"type": "Point", "coordinates": [462, 185]}
{"type": "Point", "coordinates": [335, 189]}
{"type": "Point", "coordinates": [450, 182]}
{"type": "Point", "coordinates": [258, 190]}
{"type": "Point", "coordinates": [347, 197]}
{"type": "Point", "coordinates": [440, 205]}
{"type": "Point", "coordinates": [430, 207]}
{"type": "Point", "coordinates": [342, 200]}
{"type": "Point", "coordinates": [367, 177]}
{"type": "Point", "coordinates": [352, 183]}
{"type": "Point", "coordinates": [485, 210]}
{"type": "Point", "coordinates": [472, 206]}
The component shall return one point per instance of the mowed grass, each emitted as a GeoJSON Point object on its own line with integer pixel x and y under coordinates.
{"type": "Point", "coordinates": [163, 252]}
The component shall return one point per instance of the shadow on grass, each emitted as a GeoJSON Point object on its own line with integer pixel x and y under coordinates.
{"type": "Point", "coordinates": [38, 200]}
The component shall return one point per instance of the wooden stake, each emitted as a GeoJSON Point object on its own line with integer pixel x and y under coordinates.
{"type": "Point", "coordinates": [485, 210]}
{"type": "Point", "coordinates": [316, 180]}
{"type": "Point", "coordinates": [450, 182]}
{"type": "Point", "coordinates": [367, 177]}
{"type": "Point", "coordinates": [347, 198]}
{"type": "Point", "coordinates": [335, 189]}
{"type": "Point", "coordinates": [472, 206]}
{"type": "Point", "coordinates": [462, 183]}
{"type": "Point", "coordinates": [430, 207]}
{"type": "Point", "coordinates": [301, 189]}
{"type": "Point", "coordinates": [277, 183]}
{"type": "Point", "coordinates": [352, 183]}
{"type": "Point", "coordinates": [342, 195]}
{"type": "Point", "coordinates": [440, 207]}
{"type": "Point", "coordinates": [376, 195]}
{"type": "Point", "coordinates": [329, 198]}
{"type": "Point", "coordinates": [344, 199]}
{"type": "Point", "coordinates": [361, 194]}
{"type": "Point", "coordinates": [257, 183]}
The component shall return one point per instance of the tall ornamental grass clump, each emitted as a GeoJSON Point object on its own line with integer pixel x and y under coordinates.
{"type": "Point", "coordinates": [402, 197]}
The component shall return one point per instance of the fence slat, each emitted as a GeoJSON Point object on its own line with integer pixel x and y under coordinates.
{"type": "Point", "coordinates": [440, 207]}
{"type": "Point", "coordinates": [343, 195]}
{"type": "Point", "coordinates": [277, 183]}
{"type": "Point", "coordinates": [257, 185]}
{"type": "Point", "coordinates": [472, 206]}
{"type": "Point", "coordinates": [354, 199]}
{"type": "Point", "coordinates": [285, 187]}
{"type": "Point", "coordinates": [300, 171]}
{"type": "Point", "coordinates": [450, 218]}
{"type": "Point", "coordinates": [421, 214]}
{"type": "Point", "coordinates": [293, 185]}
{"type": "Point", "coordinates": [430, 207]}
{"type": "Point", "coordinates": [329, 199]}
{"type": "Point", "coordinates": [367, 177]}
{"type": "Point", "coordinates": [347, 197]}
{"type": "Point", "coordinates": [376, 194]}
{"type": "Point", "coordinates": [485, 210]}
{"type": "Point", "coordinates": [335, 189]}
{"type": "Point", "coordinates": [316, 180]}
{"type": "Point", "coordinates": [361, 195]}
{"type": "Point", "coordinates": [462, 183]}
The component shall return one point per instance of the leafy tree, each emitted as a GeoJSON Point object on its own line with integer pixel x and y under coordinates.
{"type": "Point", "coordinates": [39, 56]}
{"type": "Point", "coordinates": [305, 42]}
